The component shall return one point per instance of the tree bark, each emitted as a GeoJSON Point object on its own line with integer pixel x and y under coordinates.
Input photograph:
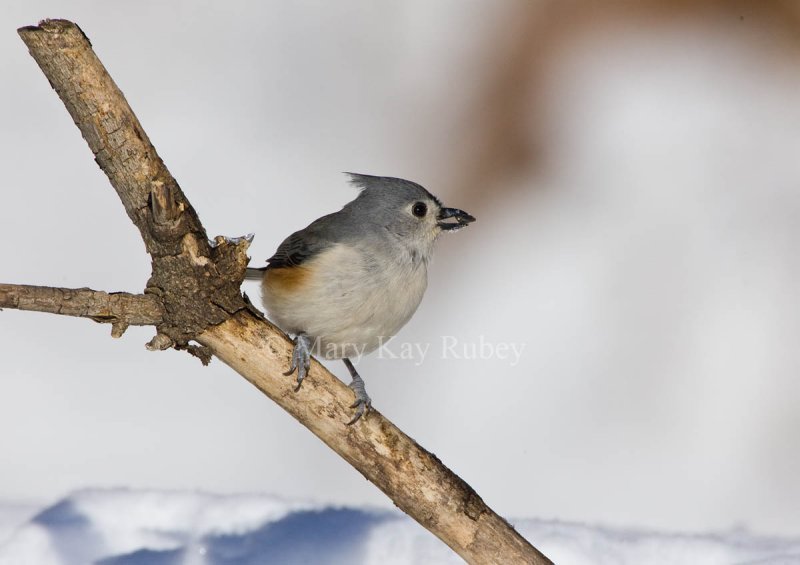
{"type": "Point", "coordinates": [193, 296]}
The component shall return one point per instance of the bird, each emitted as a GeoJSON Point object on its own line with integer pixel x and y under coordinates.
{"type": "Point", "coordinates": [350, 280]}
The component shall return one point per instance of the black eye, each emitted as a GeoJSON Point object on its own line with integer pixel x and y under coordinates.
{"type": "Point", "coordinates": [419, 209]}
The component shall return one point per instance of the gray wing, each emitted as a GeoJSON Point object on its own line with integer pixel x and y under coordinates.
{"type": "Point", "coordinates": [304, 244]}
{"type": "Point", "coordinates": [295, 250]}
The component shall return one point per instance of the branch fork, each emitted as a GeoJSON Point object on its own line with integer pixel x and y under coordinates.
{"type": "Point", "coordinates": [194, 301]}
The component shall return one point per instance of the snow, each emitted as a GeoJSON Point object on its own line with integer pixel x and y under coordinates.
{"type": "Point", "coordinates": [137, 527]}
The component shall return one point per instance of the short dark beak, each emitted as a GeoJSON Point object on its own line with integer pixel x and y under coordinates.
{"type": "Point", "coordinates": [461, 219]}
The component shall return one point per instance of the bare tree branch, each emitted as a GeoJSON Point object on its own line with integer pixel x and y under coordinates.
{"type": "Point", "coordinates": [196, 285]}
{"type": "Point", "coordinates": [415, 479]}
{"type": "Point", "coordinates": [183, 262]}
{"type": "Point", "coordinates": [119, 144]}
{"type": "Point", "coordinates": [120, 309]}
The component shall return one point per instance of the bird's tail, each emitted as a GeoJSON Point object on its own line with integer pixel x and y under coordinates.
{"type": "Point", "coordinates": [253, 274]}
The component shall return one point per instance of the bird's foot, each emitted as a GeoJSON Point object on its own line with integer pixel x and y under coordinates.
{"type": "Point", "coordinates": [301, 359]}
{"type": "Point", "coordinates": [363, 402]}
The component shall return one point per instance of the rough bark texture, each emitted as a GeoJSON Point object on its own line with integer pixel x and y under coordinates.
{"type": "Point", "coordinates": [184, 262]}
{"type": "Point", "coordinates": [193, 294]}
{"type": "Point", "coordinates": [415, 479]}
{"type": "Point", "coordinates": [120, 309]}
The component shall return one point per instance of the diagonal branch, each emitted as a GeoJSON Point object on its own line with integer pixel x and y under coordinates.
{"type": "Point", "coordinates": [184, 263]}
{"type": "Point", "coordinates": [117, 140]}
{"type": "Point", "coordinates": [196, 287]}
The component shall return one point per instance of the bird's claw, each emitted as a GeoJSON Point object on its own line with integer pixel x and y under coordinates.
{"type": "Point", "coordinates": [362, 404]}
{"type": "Point", "coordinates": [301, 359]}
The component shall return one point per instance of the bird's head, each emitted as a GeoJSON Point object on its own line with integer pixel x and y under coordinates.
{"type": "Point", "coordinates": [405, 210]}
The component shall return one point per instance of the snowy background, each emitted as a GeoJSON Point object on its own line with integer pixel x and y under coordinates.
{"type": "Point", "coordinates": [635, 177]}
{"type": "Point", "coordinates": [123, 527]}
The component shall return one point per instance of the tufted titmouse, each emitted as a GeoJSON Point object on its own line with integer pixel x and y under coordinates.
{"type": "Point", "coordinates": [352, 279]}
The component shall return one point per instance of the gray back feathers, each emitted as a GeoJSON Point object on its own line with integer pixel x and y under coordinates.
{"type": "Point", "coordinates": [375, 218]}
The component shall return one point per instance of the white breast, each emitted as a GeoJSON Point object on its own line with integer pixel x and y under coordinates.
{"type": "Point", "coordinates": [352, 300]}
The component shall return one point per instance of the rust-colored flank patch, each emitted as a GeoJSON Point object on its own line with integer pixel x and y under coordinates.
{"type": "Point", "coordinates": [285, 279]}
